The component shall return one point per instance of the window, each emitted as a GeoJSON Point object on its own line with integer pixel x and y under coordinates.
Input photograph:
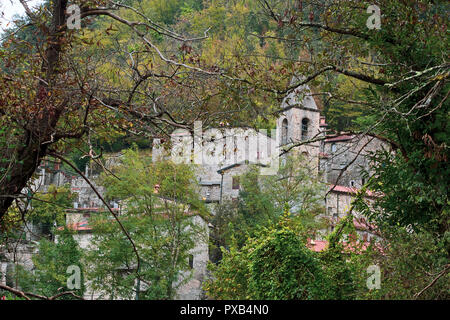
{"type": "Point", "coordinates": [235, 183]}
{"type": "Point", "coordinates": [284, 132]}
{"type": "Point", "coordinates": [191, 261]}
{"type": "Point", "coordinates": [333, 148]}
{"type": "Point", "coordinates": [305, 123]}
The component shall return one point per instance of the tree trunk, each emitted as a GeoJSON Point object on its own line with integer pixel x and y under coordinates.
{"type": "Point", "coordinates": [38, 132]}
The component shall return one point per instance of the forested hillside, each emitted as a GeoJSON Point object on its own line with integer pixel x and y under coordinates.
{"type": "Point", "coordinates": [134, 71]}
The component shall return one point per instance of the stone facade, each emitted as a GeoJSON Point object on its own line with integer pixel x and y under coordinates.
{"type": "Point", "coordinates": [299, 122]}
{"type": "Point", "coordinates": [341, 159]}
{"type": "Point", "coordinates": [192, 290]}
{"type": "Point", "coordinates": [345, 158]}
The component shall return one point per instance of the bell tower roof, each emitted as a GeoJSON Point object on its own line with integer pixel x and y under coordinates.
{"type": "Point", "coordinates": [302, 97]}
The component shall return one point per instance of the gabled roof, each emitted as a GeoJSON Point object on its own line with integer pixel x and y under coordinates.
{"type": "Point", "coordinates": [340, 138]}
{"type": "Point", "coordinates": [349, 190]}
{"type": "Point", "coordinates": [349, 246]}
{"type": "Point", "coordinates": [237, 164]}
{"type": "Point", "coordinates": [79, 226]}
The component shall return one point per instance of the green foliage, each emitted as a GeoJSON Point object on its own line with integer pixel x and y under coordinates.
{"type": "Point", "coordinates": [230, 277]}
{"type": "Point", "coordinates": [275, 264]}
{"type": "Point", "coordinates": [51, 206]}
{"type": "Point", "coordinates": [340, 114]}
{"type": "Point", "coordinates": [161, 210]}
{"type": "Point", "coordinates": [345, 226]}
{"type": "Point", "coordinates": [49, 276]}
{"type": "Point", "coordinates": [247, 42]}
{"type": "Point", "coordinates": [264, 199]}
{"type": "Point", "coordinates": [282, 267]}
{"type": "Point", "coordinates": [408, 198]}
{"type": "Point", "coordinates": [409, 262]}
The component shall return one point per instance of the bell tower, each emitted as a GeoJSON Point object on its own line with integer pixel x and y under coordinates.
{"type": "Point", "coordinates": [299, 123]}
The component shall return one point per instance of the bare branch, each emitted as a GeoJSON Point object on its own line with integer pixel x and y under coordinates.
{"type": "Point", "coordinates": [441, 274]}
{"type": "Point", "coordinates": [56, 155]}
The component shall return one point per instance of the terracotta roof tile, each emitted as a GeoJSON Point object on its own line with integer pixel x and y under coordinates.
{"type": "Point", "coordinates": [340, 138]}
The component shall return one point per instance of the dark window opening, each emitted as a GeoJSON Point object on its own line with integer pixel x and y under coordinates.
{"type": "Point", "coordinates": [284, 132]}
{"type": "Point", "coordinates": [305, 124]}
{"type": "Point", "coordinates": [236, 183]}
{"type": "Point", "coordinates": [191, 261]}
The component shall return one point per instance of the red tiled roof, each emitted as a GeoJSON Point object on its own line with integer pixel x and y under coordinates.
{"type": "Point", "coordinates": [350, 190]}
{"type": "Point", "coordinates": [339, 138]}
{"type": "Point", "coordinates": [362, 224]}
{"type": "Point", "coordinates": [78, 226]}
{"type": "Point", "coordinates": [344, 189]}
{"type": "Point", "coordinates": [320, 245]}
{"type": "Point", "coordinates": [317, 245]}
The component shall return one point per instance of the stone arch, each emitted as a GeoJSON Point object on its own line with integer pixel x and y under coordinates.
{"type": "Point", "coordinates": [305, 128]}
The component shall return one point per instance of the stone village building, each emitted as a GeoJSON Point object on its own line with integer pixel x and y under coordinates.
{"type": "Point", "coordinates": [340, 158]}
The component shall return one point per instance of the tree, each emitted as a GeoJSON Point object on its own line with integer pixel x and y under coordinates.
{"type": "Point", "coordinates": [160, 210]}
{"type": "Point", "coordinates": [276, 264]}
{"type": "Point", "coordinates": [413, 265]}
{"type": "Point", "coordinates": [57, 84]}
{"type": "Point", "coordinates": [134, 72]}
{"type": "Point", "coordinates": [49, 276]}
{"type": "Point", "coordinates": [404, 97]}
{"type": "Point", "coordinates": [263, 200]}
{"type": "Point", "coordinates": [49, 208]}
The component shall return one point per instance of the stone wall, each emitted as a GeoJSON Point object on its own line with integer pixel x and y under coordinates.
{"type": "Point", "coordinates": [87, 198]}
{"type": "Point", "coordinates": [350, 153]}
{"type": "Point", "coordinates": [192, 290]}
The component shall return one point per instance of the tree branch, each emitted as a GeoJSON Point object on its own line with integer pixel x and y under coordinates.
{"type": "Point", "coordinates": [442, 273]}
{"type": "Point", "coordinates": [56, 155]}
